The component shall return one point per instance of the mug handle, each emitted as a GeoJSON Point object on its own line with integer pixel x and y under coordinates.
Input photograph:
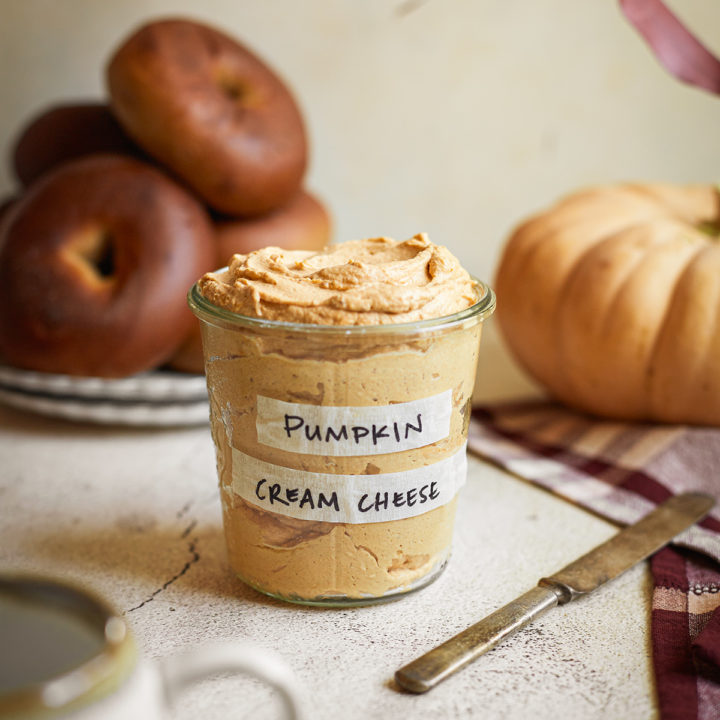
{"type": "Point", "coordinates": [180, 670]}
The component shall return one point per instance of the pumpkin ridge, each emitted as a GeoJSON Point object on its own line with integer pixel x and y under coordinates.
{"type": "Point", "coordinates": [687, 203]}
{"type": "Point", "coordinates": [692, 363]}
{"type": "Point", "coordinates": [569, 327]}
{"type": "Point", "coordinates": [680, 270]}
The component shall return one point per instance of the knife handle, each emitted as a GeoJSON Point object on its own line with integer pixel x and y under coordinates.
{"type": "Point", "coordinates": [433, 667]}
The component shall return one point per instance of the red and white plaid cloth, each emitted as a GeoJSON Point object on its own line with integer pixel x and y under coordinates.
{"type": "Point", "coordinates": [621, 471]}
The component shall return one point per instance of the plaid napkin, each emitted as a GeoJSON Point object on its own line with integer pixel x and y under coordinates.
{"type": "Point", "coordinates": [621, 471]}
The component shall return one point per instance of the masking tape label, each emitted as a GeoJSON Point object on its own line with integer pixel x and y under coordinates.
{"type": "Point", "coordinates": [371, 430]}
{"type": "Point", "coordinates": [348, 498]}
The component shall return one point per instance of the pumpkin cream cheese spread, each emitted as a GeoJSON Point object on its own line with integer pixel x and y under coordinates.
{"type": "Point", "coordinates": [402, 396]}
{"type": "Point", "coordinates": [361, 282]}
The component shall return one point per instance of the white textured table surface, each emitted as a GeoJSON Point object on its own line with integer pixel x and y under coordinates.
{"type": "Point", "coordinates": [135, 515]}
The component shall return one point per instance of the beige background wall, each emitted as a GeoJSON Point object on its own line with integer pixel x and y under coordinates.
{"type": "Point", "coordinates": [456, 117]}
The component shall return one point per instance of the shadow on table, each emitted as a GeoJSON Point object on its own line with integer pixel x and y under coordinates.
{"type": "Point", "coordinates": [141, 560]}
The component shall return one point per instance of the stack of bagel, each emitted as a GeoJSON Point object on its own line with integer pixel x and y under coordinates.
{"type": "Point", "coordinates": [199, 153]}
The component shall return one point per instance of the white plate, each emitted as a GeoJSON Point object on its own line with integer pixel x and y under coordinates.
{"type": "Point", "coordinates": [160, 385]}
{"type": "Point", "coordinates": [160, 398]}
{"type": "Point", "coordinates": [110, 412]}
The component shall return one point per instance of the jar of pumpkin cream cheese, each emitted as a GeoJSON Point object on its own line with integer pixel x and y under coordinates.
{"type": "Point", "coordinates": [340, 385]}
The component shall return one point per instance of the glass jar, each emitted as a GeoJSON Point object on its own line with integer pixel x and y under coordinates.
{"type": "Point", "coordinates": [340, 449]}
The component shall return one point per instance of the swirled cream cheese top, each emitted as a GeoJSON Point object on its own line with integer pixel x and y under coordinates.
{"type": "Point", "coordinates": [377, 281]}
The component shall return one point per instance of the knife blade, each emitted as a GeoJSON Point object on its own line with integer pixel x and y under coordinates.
{"type": "Point", "coordinates": [602, 564]}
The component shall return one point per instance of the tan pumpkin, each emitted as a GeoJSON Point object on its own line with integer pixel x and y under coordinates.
{"type": "Point", "coordinates": [611, 300]}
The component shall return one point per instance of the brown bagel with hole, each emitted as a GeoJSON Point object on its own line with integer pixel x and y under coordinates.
{"type": "Point", "coordinates": [67, 132]}
{"type": "Point", "coordinates": [212, 112]}
{"type": "Point", "coordinates": [302, 224]}
{"type": "Point", "coordinates": [95, 264]}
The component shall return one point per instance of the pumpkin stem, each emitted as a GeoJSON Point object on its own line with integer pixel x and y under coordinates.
{"type": "Point", "coordinates": [711, 228]}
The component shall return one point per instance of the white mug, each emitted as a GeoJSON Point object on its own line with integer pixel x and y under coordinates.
{"type": "Point", "coordinates": [66, 654]}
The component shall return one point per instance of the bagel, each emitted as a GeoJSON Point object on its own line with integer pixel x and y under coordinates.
{"type": "Point", "coordinates": [95, 263]}
{"type": "Point", "coordinates": [66, 132]}
{"type": "Point", "coordinates": [302, 224]}
{"type": "Point", "coordinates": [211, 111]}
{"type": "Point", "coordinates": [6, 204]}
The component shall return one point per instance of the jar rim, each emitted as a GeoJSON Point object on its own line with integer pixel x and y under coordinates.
{"type": "Point", "coordinates": [482, 308]}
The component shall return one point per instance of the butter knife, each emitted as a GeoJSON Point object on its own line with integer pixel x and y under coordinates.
{"type": "Point", "coordinates": [605, 562]}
